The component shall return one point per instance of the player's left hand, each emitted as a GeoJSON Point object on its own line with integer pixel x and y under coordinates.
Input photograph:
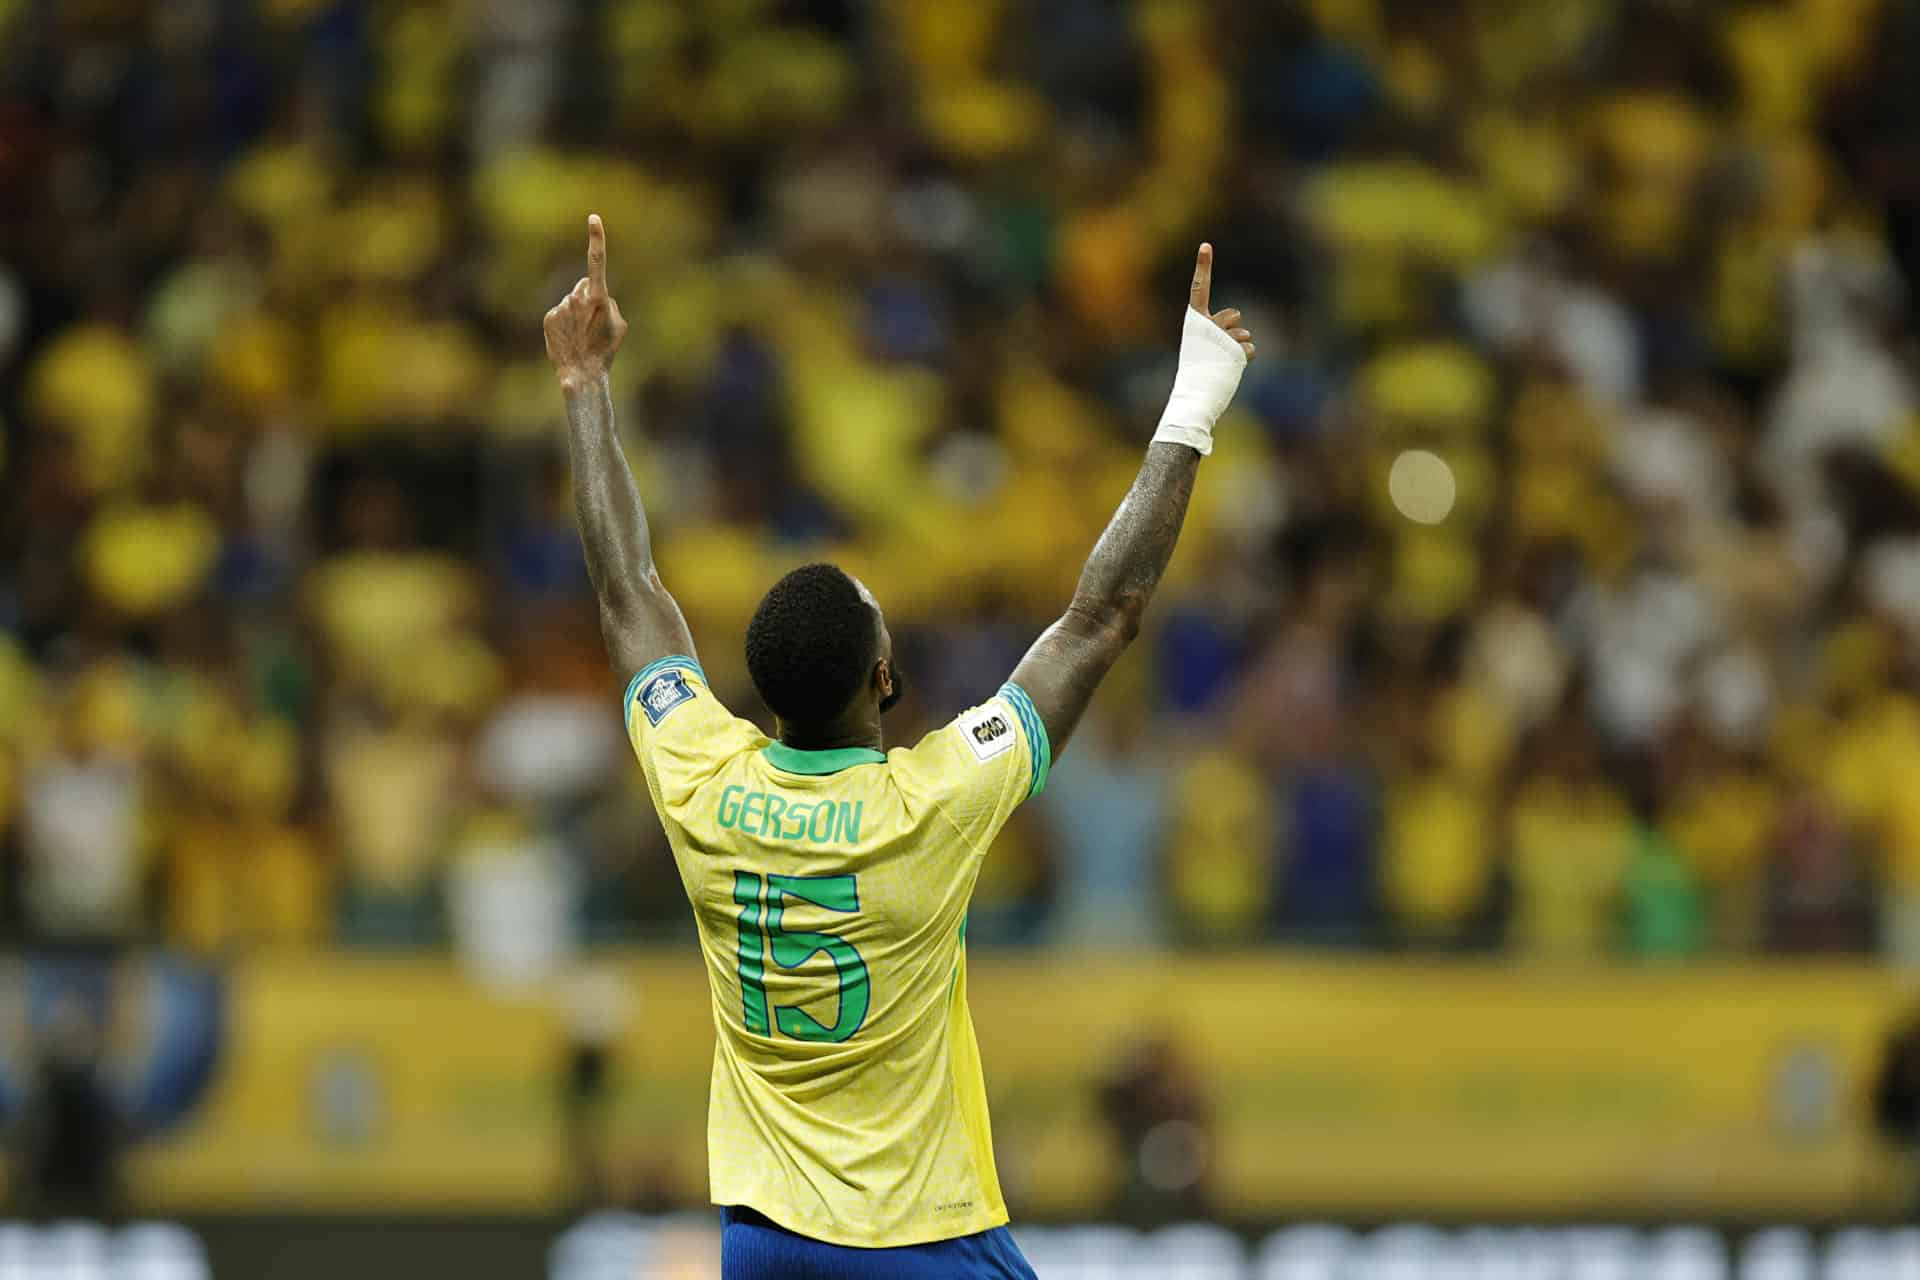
{"type": "Point", "coordinates": [585, 331]}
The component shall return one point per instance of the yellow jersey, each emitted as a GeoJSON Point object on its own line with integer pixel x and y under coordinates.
{"type": "Point", "coordinates": [831, 889]}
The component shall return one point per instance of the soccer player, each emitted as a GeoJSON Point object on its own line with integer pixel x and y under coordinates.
{"type": "Point", "coordinates": [847, 1128]}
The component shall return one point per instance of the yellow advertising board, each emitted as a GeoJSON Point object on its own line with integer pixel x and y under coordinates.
{"type": "Point", "coordinates": [1334, 1087]}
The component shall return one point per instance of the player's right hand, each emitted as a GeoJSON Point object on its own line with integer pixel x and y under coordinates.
{"type": "Point", "coordinates": [586, 329]}
{"type": "Point", "coordinates": [1200, 297]}
{"type": "Point", "coordinates": [1214, 351]}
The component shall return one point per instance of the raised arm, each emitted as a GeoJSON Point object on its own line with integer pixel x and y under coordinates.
{"type": "Point", "coordinates": [638, 619]}
{"type": "Point", "coordinates": [1068, 661]}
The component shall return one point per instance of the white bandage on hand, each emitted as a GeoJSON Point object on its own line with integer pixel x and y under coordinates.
{"type": "Point", "coordinates": [1211, 363]}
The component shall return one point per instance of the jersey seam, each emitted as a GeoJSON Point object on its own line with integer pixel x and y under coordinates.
{"type": "Point", "coordinates": [965, 839]}
{"type": "Point", "coordinates": [980, 1177]}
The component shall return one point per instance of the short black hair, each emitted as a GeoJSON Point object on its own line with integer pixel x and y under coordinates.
{"type": "Point", "coordinates": [812, 644]}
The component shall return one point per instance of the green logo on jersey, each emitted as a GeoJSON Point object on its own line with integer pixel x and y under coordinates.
{"type": "Point", "coordinates": [773, 817]}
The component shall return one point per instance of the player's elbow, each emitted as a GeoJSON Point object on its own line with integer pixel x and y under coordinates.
{"type": "Point", "coordinates": [627, 651]}
{"type": "Point", "coordinates": [1112, 619]}
{"type": "Point", "coordinates": [1129, 611]}
{"type": "Point", "coordinates": [628, 618]}
{"type": "Point", "coordinates": [620, 614]}
{"type": "Point", "coordinates": [627, 598]}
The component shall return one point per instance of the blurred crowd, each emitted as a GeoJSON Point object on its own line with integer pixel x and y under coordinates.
{"type": "Point", "coordinates": [296, 643]}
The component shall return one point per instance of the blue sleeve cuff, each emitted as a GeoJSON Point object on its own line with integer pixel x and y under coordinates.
{"type": "Point", "coordinates": [1039, 750]}
{"type": "Point", "coordinates": [651, 670]}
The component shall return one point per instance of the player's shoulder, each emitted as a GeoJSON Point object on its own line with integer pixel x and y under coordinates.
{"type": "Point", "coordinates": [990, 728]}
{"type": "Point", "coordinates": [661, 687]}
{"type": "Point", "coordinates": [672, 710]}
{"type": "Point", "coordinates": [1002, 732]}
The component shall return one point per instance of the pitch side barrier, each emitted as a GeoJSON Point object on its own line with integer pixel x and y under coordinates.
{"type": "Point", "coordinates": [625, 1247]}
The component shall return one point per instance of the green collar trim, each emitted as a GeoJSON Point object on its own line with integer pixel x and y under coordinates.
{"type": "Point", "coordinates": [793, 760]}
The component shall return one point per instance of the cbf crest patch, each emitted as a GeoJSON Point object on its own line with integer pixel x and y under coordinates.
{"type": "Point", "coordinates": [663, 693]}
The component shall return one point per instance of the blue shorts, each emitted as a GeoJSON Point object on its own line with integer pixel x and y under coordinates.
{"type": "Point", "coordinates": [753, 1248]}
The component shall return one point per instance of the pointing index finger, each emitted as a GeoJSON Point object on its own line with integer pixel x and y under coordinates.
{"type": "Point", "coordinates": [596, 256]}
{"type": "Point", "coordinates": [1202, 280]}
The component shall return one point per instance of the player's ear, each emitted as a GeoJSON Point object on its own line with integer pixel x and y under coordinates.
{"type": "Point", "coordinates": [889, 682]}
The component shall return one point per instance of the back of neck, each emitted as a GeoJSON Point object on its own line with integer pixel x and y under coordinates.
{"type": "Point", "coordinates": [833, 737]}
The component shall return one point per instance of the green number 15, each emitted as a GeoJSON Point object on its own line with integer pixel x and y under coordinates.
{"type": "Point", "coordinates": [792, 948]}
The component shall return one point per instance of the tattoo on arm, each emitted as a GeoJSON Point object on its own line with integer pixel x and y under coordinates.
{"type": "Point", "coordinates": [1127, 562]}
{"type": "Point", "coordinates": [639, 620]}
{"type": "Point", "coordinates": [1067, 663]}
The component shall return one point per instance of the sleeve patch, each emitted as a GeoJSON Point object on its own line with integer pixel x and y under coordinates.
{"type": "Point", "coordinates": [987, 731]}
{"type": "Point", "coordinates": [662, 693]}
